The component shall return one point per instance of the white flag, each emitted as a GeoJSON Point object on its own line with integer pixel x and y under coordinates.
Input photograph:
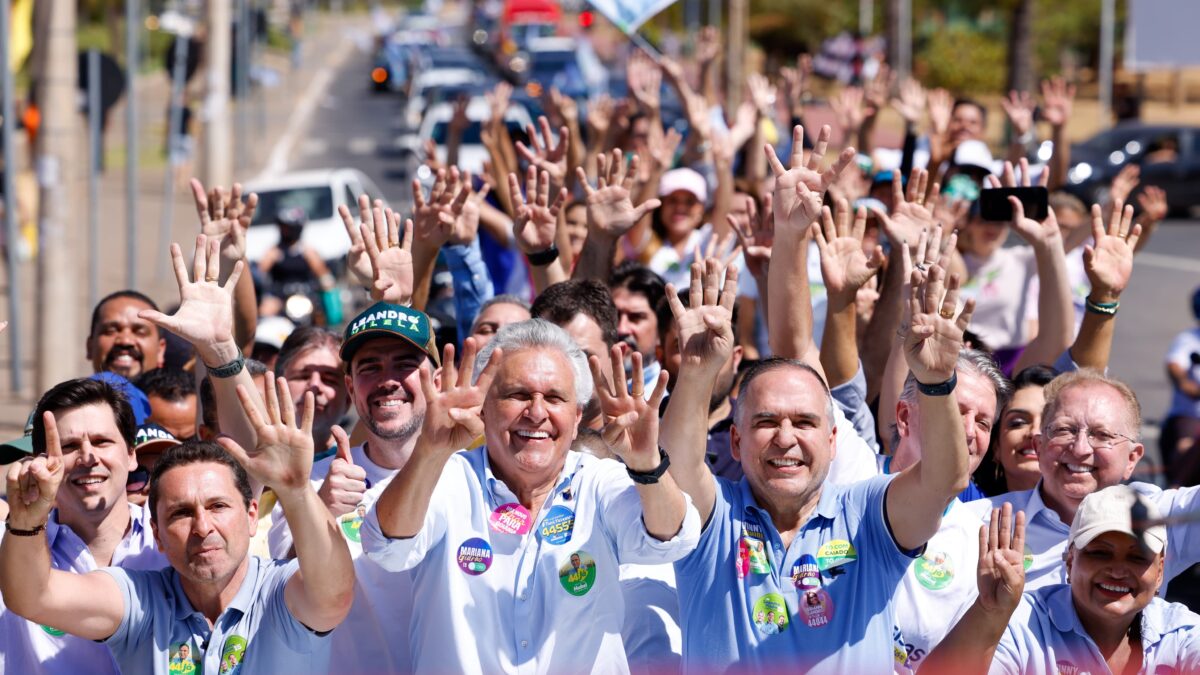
{"type": "Point", "coordinates": [629, 15]}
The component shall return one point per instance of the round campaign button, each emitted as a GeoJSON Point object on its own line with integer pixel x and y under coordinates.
{"type": "Point", "coordinates": [934, 570]}
{"type": "Point", "coordinates": [770, 614]}
{"type": "Point", "coordinates": [558, 525]}
{"type": "Point", "coordinates": [511, 518]}
{"type": "Point", "coordinates": [805, 573]}
{"type": "Point", "coordinates": [351, 523]}
{"type": "Point", "coordinates": [578, 574]}
{"type": "Point", "coordinates": [816, 608]}
{"type": "Point", "coordinates": [54, 631]}
{"type": "Point", "coordinates": [475, 556]}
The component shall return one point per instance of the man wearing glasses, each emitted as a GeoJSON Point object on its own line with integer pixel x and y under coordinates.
{"type": "Point", "coordinates": [93, 525]}
{"type": "Point", "coordinates": [1089, 441]}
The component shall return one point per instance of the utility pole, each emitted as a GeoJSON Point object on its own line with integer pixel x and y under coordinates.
{"type": "Point", "coordinates": [736, 58]}
{"type": "Point", "coordinates": [218, 158]}
{"type": "Point", "coordinates": [1107, 29]}
{"type": "Point", "coordinates": [11, 235]}
{"type": "Point", "coordinates": [58, 307]}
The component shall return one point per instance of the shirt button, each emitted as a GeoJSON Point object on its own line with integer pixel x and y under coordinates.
{"type": "Point", "coordinates": [525, 595]}
{"type": "Point", "coordinates": [524, 644]}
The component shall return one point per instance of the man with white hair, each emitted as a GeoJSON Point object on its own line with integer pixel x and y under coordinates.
{"type": "Point", "coordinates": [515, 547]}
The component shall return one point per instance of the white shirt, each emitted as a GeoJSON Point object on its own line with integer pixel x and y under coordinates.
{"type": "Point", "coordinates": [374, 636]}
{"type": "Point", "coordinates": [26, 647]}
{"type": "Point", "coordinates": [1045, 635]}
{"type": "Point", "coordinates": [651, 632]}
{"type": "Point", "coordinates": [497, 602]}
{"type": "Point", "coordinates": [1000, 286]}
{"type": "Point", "coordinates": [1180, 353]}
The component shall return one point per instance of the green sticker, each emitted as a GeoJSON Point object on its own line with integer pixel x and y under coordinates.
{"type": "Point", "coordinates": [578, 574]}
{"type": "Point", "coordinates": [182, 659]}
{"type": "Point", "coordinates": [232, 655]}
{"type": "Point", "coordinates": [352, 522]}
{"type": "Point", "coordinates": [757, 550]}
{"type": "Point", "coordinates": [834, 553]}
{"type": "Point", "coordinates": [935, 570]}
{"type": "Point", "coordinates": [770, 614]}
{"type": "Point", "coordinates": [54, 631]}
{"type": "Point", "coordinates": [1028, 561]}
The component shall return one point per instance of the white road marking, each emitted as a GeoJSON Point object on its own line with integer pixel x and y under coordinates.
{"type": "Point", "coordinates": [1168, 262]}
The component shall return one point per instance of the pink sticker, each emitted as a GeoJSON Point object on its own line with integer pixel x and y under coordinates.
{"type": "Point", "coordinates": [511, 518]}
{"type": "Point", "coordinates": [816, 608]}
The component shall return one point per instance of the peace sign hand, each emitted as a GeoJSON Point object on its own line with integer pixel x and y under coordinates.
{"type": "Point", "coordinates": [33, 483]}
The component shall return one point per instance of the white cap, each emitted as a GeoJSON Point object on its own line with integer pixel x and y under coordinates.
{"type": "Point", "coordinates": [273, 331]}
{"type": "Point", "coordinates": [974, 153]}
{"type": "Point", "coordinates": [688, 180]}
{"type": "Point", "coordinates": [1114, 509]}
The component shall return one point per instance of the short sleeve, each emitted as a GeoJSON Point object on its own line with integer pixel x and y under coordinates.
{"type": "Point", "coordinates": [282, 622]}
{"type": "Point", "coordinates": [620, 509]}
{"type": "Point", "coordinates": [869, 499]}
{"type": "Point", "coordinates": [139, 593]}
{"type": "Point", "coordinates": [712, 533]}
{"type": "Point", "coordinates": [1007, 658]}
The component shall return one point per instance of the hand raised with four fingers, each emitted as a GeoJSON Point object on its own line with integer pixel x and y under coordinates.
{"type": "Point", "coordinates": [282, 457]}
{"type": "Point", "coordinates": [800, 188]}
{"type": "Point", "coordinates": [536, 220]}
{"type": "Point", "coordinates": [844, 265]}
{"type": "Point", "coordinates": [935, 336]}
{"type": "Point", "coordinates": [389, 252]}
{"type": "Point", "coordinates": [1058, 98]}
{"type": "Point", "coordinates": [33, 482]}
{"type": "Point", "coordinates": [1019, 107]}
{"type": "Point", "coordinates": [630, 420]}
{"type": "Point", "coordinates": [705, 326]}
{"type": "Point", "coordinates": [1001, 571]}
{"type": "Point", "coordinates": [205, 314]}
{"type": "Point", "coordinates": [357, 260]}
{"type": "Point", "coordinates": [434, 218]}
{"type": "Point", "coordinates": [1108, 260]}
{"type": "Point", "coordinates": [225, 216]}
{"type": "Point", "coordinates": [452, 420]}
{"type": "Point", "coordinates": [610, 207]}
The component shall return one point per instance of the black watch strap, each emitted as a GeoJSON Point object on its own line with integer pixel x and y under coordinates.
{"type": "Point", "coordinates": [939, 389]}
{"type": "Point", "coordinates": [228, 369]}
{"type": "Point", "coordinates": [651, 477]}
{"type": "Point", "coordinates": [543, 258]}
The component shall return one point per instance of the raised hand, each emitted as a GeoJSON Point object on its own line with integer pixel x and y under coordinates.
{"type": "Point", "coordinates": [33, 482]}
{"type": "Point", "coordinates": [844, 265]}
{"type": "Point", "coordinates": [910, 101]}
{"type": "Point", "coordinates": [1153, 201]}
{"type": "Point", "coordinates": [547, 158]}
{"type": "Point", "coordinates": [1046, 232]}
{"type": "Point", "coordinates": [536, 220]}
{"type": "Point", "coordinates": [800, 189]}
{"type": "Point", "coordinates": [610, 208]}
{"type": "Point", "coordinates": [1001, 572]}
{"type": "Point", "coordinates": [705, 327]}
{"type": "Point", "coordinates": [630, 421]}
{"type": "Point", "coordinates": [1108, 261]}
{"type": "Point", "coordinates": [1019, 106]}
{"type": "Point", "coordinates": [205, 314]}
{"type": "Point", "coordinates": [224, 216]}
{"type": "Point", "coordinates": [910, 214]}
{"type": "Point", "coordinates": [452, 420]}
{"type": "Point", "coordinates": [1058, 98]}
{"type": "Point", "coordinates": [708, 45]}
{"type": "Point", "coordinates": [661, 147]}
{"type": "Point", "coordinates": [390, 257]}
{"type": "Point", "coordinates": [762, 93]}
{"type": "Point", "coordinates": [439, 219]}
{"type": "Point", "coordinates": [848, 106]}
{"type": "Point", "coordinates": [1123, 184]}
{"type": "Point", "coordinates": [645, 81]}
{"type": "Point", "coordinates": [346, 482]}
{"type": "Point", "coordinates": [941, 107]}
{"type": "Point", "coordinates": [498, 99]}
{"type": "Point", "coordinates": [756, 235]}
{"type": "Point", "coordinates": [357, 260]}
{"type": "Point", "coordinates": [934, 336]}
{"type": "Point", "coordinates": [282, 457]}
{"type": "Point", "coordinates": [600, 113]}
{"type": "Point", "coordinates": [562, 108]}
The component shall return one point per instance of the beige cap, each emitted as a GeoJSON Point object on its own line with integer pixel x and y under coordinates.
{"type": "Point", "coordinates": [1115, 509]}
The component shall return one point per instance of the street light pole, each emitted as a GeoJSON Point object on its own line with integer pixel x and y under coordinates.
{"type": "Point", "coordinates": [10, 211]}
{"type": "Point", "coordinates": [1107, 19]}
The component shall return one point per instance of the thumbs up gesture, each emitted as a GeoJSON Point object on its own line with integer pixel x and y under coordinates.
{"type": "Point", "coordinates": [346, 482]}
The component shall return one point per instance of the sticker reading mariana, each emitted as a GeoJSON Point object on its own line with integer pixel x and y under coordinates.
{"type": "Point", "coordinates": [475, 556]}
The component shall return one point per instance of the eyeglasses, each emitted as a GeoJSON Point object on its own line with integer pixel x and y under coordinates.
{"type": "Point", "coordinates": [1099, 439]}
{"type": "Point", "coordinates": [138, 479]}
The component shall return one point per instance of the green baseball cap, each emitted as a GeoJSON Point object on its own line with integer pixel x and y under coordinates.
{"type": "Point", "coordinates": [387, 320]}
{"type": "Point", "coordinates": [18, 448]}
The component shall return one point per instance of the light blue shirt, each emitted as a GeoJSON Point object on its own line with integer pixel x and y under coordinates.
{"type": "Point", "coordinates": [255, 634]}
{"type": "Point", "coordinates": [491, 601]}
{"type": "Point", "coordinates": [26, 647]}
{"type": "Point", "coordinates": [1045, 636]}
{"type": "Point", "coordinates": [837, 581]}
{"type": "Point", "coordinates": [472, 283]}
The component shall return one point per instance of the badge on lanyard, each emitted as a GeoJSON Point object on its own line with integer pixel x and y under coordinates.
{"type": "Point", "coordinates": [756, 551]}
{"type": "Point", "coordinates": [232, 655]}
{"type": "Point", "coordinates": [578, 573]}
{"type": "Point", "coordinates": [771, 614]}
{"type": "Point", "coordinates": [475, 556]}
{"type": "Point", "coordinates": [934, 570]}
{"type": "Point", "coordinates": [511, 518]}
{"type": "Point", "coordinates": [558, 525]}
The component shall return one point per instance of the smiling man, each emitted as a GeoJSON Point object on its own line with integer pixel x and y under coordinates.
{"type": "Point", "coordinates": [92, 526]}
{"type": "Point", "coordinates": [122, 342]}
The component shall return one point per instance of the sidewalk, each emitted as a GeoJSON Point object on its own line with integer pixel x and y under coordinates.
{"type": "Point", "coordinates": [270, 114]}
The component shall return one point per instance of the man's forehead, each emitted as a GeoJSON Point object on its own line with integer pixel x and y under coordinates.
{"type": "Point", "coordinates": [186, 481]}
{"type": "Point", "coordinates": [122, 308]}
{"type": "Point", "coordinates": [975, 390]}
{"type": "Point", "coordinates": [1091, 398]}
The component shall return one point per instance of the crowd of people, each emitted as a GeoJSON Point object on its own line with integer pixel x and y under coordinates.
{"type": "Point", "coordinates": [766, 403]}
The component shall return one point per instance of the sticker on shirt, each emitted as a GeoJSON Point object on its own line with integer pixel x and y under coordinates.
{"type": "Point", "coordinates": [578, 574]}
{"type": "Point", "coordinates": [816, 608]}
{"type": "Point", "coordinates": [743, 559]}
{"type": "Point", "coordinates": [182, 659]}
{"type": "Point", "coordinates": [835, 553]}
{"type": "Point", "coordinates": [53, 632]}
{"type": "Point", "coordinates": [351, 523]}
{"type": "Point", "coordinates": [770, 614]}
{"type": "Point", "coordinates": [511, 518]}
{"type": "Point", "coordinates": [1066, 668]}
{"type": "Point", "coordinates": [805, 573]}
{"type": "Point", "coordinates": [558, 525]}
{"type": "Point", "coordinates": [934, 570]}
{"type": "Point", "coordinates": [232, 655]}
{"type": "Point", "coordinates": [1027, 561]}
{"type": "Point", "coordinates": [475, 556]}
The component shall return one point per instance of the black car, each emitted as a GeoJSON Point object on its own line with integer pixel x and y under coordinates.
{"type": "Point", "coordinates": [1168, 154]}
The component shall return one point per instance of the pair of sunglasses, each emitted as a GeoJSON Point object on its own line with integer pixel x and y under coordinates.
{"type": "Point", "coordinates": [138, 479]}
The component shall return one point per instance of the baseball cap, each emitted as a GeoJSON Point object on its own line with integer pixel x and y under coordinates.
{"type": "Point", "coordinates": [1112, 510]}
{"type": "Point", "coordinates": [136, 397]}
{"type": "Point", "coordinates": [273, 331]}
{"type": "Point", "coordinates": [151, 438]}
{"type": "Point", "coordinates": [387, 320]}
{"type": "Point", "coordinates": [688, 180]}
{"type": "Point", "coordinates": [18, 448]}
{"type": "Point", "coordinates": [974, 154]}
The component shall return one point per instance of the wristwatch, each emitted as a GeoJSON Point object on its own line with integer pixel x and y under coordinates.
{"type": "Point", "coordinates": [651, 477]}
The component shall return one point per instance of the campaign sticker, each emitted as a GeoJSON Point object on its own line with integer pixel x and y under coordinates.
{"type": "Point", "coordinates": [816, 608]}
{"type": "Point", "coordinates": [935, 570]}
{"type": "Point", "coordinates": [836, 552]}
{"type": "Point", "coordinates": [351, 523]}
{"type": "Point", "coordinates": [770, 614]}
{"type": "Point", "coordinates": [182, 659]}
{"type": "Point", "coordinates": [743, 559]}
{"type": "Point", "coordinates": [1027, 561]}
{"type": "Point", "coordinates": [558, 525]}
{"type": "Point", "coordinates": [578, 574]}
{"type": "Point", "coordinates": [1066, 667]}
{"type": "Point", "coordinates": [232, 655]}
{"type": "Point", "coordinates": [805, 573]}
{"type": "Point", "coordinates": [475, 556]}
{"type": "Point", "coordinates": [54, 631]}
{"type": "Point", "coordinates": [511, 518]}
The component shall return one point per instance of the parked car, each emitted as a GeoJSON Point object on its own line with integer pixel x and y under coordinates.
{"type": "Point", "coordinates": [319, 193]}
{"type": "Point", "coordinates": [1168, 154]}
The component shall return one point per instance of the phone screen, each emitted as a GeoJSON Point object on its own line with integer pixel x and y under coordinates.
{"type": "Point", "coordinates": [994, 204]}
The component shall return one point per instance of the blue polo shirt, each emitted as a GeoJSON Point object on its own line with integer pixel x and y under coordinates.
{"type": "Point", "coordinates": [824, 605]}
{"type": "Point", "coordinates": [162, 634]}
{"type": "Point", "coordinates": [1046, 636]}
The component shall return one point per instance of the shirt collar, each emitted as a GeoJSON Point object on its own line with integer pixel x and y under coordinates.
{"type": "Point", "coordinates": [1062, 611]}
{"type": "Point", "coordinates": [826, 503]}
{"type": "Point", "coordinates": [1037, 506]}
{"type": "Point", "coordinates": [241, 601]}
{"type": "Point", "coordinates": [502, 494]}
{"type": "Point", "coordinates": [139, 519]}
